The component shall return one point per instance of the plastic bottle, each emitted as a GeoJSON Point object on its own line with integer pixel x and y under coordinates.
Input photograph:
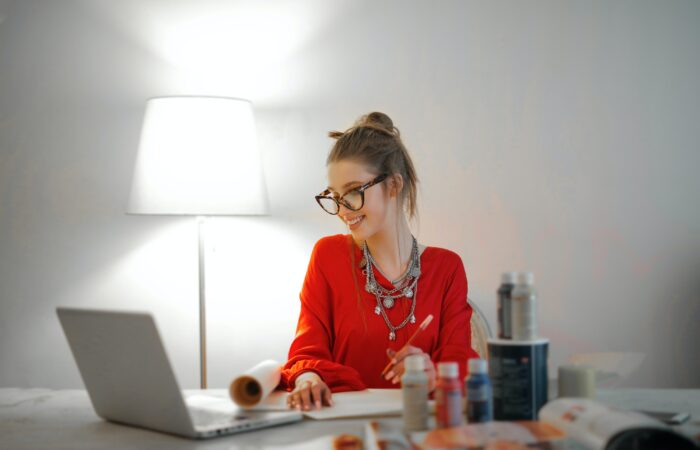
{"type": "Point", "coordinates": [448, 396]}
{"type": "Point", "coordinates": [524, 308]}
{"type": "Point", "coordinates": [504, 304]}
{"type": "Point", "coordinates": [479, 392]}
{"type": "Point", "coordinates": [414, 387]}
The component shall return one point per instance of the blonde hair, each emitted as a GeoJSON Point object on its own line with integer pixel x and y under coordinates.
{"type": "Point", "coordinates": [376, 142]}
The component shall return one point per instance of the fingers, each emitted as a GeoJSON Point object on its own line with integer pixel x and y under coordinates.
{"type": "Point", "coordinates": [327, 397]}
{"type": "Point", "coordinates": [305, 394]}
{"type": "Point", "coordinates": [394, 375]}
{"type": "Point", "coordinates": [310, 394]}
{"type": "Point", "coordinates": [404, 352]}
{"type": "Point", "coordinates": [397, 360]}
{"type": "Point", "coordinates": [300, 397]}
{"type": "Point", "coordinates": [293, 400]}
{"type": "Point", "coordinates": [432, 375]}
{"type": "Point", "coordinates": [316, 394]}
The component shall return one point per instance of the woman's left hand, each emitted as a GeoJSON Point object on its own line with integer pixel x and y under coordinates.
{"type": "Point", "coordinates": [397, 359]}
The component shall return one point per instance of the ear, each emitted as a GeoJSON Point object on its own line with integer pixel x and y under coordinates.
{"type": "Point", "coordinates": [395, 185]}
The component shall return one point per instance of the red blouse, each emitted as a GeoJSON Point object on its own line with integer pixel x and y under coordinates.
{"type": "Point", "coordinates": [341, 338]}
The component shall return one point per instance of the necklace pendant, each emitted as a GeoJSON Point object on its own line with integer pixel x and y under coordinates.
{"type": "Point", "coordinates": [388, 302]}
{"type": "Point", "coordinates": [413, 318]}
{"type": "Point", "coordinates": [408, 293]}
{"type": "Point", "coordinates": [370, 287]}
{"type": "Point", "coordinates": [392, 336]}
{"type": "Point", "coordinates": [377, 311]}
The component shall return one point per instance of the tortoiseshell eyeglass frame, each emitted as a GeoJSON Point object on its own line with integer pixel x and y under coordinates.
{"type": "Point", "coordinates": [341, 201]}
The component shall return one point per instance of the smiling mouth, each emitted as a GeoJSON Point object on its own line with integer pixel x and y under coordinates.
{"type": "Point", "coordinates": [355, 221]}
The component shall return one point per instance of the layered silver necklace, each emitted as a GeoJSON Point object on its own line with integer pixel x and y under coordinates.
{"type": "Point", "coordinates": [406, 286]}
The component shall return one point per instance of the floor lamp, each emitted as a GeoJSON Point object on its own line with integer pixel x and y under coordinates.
{"type": "Point", "coordinates": [198, 156]}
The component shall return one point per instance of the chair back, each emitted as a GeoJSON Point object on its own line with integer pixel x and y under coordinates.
{"type": "Point", "coordinates": [481, 331]}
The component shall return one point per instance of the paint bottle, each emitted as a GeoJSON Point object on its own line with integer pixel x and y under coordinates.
{"type": "Point", "coordinates": [504, 299]}
{"type": "Point", "coordinates": [448, 396]}
{"type": "Point", "coordinates": [414, 387]}
{"type": "Point", "coordinates": [524, 308]}
{"type": "Point", "coordinates": [479, 393]}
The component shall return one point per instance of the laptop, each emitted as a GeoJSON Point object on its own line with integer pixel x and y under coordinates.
{"type": "Point", "coordinates": [129, 379]}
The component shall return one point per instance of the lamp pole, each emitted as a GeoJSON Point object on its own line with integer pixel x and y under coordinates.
{"type": "Point", "coordinates": [202, 305]}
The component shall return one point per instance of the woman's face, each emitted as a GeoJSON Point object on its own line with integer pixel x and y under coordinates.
{"type": "Point", "coordinates": [344, 176]}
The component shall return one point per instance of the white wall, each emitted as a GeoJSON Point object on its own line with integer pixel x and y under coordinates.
{"type": "Point", "coordinates": [560, 137]}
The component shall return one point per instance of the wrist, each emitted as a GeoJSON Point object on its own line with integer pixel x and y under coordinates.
{"type": "Point", "coordinates": [306, 376]}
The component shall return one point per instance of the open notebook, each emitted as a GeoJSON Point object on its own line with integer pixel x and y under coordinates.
{"type": "Point", "coordinates": [370, 402]}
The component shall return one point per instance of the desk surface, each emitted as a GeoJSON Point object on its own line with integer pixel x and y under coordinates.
{"type": "Point", "coordinates": [44, 418]}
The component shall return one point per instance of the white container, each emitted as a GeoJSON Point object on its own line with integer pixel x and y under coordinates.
{"type": "Point", "coordinates": [576, 381]}
{"type": "Point", "coordinates": [524, 308]}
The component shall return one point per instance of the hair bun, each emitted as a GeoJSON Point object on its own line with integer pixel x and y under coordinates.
{"type": "Point", "coordinates": [381, 119]}
{"type": "Point", "coordinates": [376, 121]}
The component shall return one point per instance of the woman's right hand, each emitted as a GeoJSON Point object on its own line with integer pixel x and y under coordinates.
{"type": "Point", "coordinates": [309, 391]}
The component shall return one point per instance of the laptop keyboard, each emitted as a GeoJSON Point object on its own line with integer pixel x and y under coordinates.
{"type": "Point", "coordinates": [208, 418]}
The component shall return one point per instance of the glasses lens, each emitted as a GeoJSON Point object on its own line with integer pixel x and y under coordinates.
{"type": "Point", "coordinates": [353, 199]}
{"type": "Point", "coordinates": [329, 205]}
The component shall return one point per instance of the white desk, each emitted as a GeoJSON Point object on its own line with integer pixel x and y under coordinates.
{"type": "Point", "coordinates": [64, 419]}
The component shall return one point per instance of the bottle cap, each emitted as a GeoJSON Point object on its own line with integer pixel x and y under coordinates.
{"type": "Point", "coordinates": [478, 365]}
{"type": "Point", "coordinates": [527, 278]}
{"type": "Point", "coordinates": [448, 370]}
{"type": "Point", "coordinates": [509, 277]}
{"type": "Point", "coordinates": [414, 363]}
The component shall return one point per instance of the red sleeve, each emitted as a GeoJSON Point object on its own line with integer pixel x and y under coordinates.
{"type": "Point", "coordinates": [311, 347]}
{"type": "Point", "coordinates": [454, 341]}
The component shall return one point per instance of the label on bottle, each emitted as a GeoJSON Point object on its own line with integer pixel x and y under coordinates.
{"type": "Point", "coordinates": [479, 401]}
{"type": "Point", "coordinates": [415, 406]}
{"type": "Point", "coordinates": [523, 316]}
{"type": "Point", "coordinates": [519, 379]}
{"type": "Point", "coordinates": [479, 412]}
{"type": "Point", "coordinates": [480, 394]}
{"type": "Point", "coordinates": [448, 405]}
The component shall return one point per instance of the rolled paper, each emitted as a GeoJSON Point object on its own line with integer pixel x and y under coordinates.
{"type": "Point", "coordinates": [576, 381]}
{"type": "Point", "coordinates": [248, 389]}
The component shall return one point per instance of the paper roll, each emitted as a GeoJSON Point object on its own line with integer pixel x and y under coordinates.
{"type": "Point", "coordinates": [255, 384]}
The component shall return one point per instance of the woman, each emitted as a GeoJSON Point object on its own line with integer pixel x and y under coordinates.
{"type": "Point", "coordinates": [367, 292]}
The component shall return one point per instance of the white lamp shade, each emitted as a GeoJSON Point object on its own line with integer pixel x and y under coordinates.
{"type": "Point", "coordinates": [198, 156]}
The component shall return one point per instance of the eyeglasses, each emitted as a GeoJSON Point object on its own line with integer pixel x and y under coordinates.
{"type": "Point", "coordinates": [352, 200]}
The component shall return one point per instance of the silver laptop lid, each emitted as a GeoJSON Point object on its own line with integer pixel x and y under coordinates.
{"type": "Point", "coordinates": [125, 368]}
